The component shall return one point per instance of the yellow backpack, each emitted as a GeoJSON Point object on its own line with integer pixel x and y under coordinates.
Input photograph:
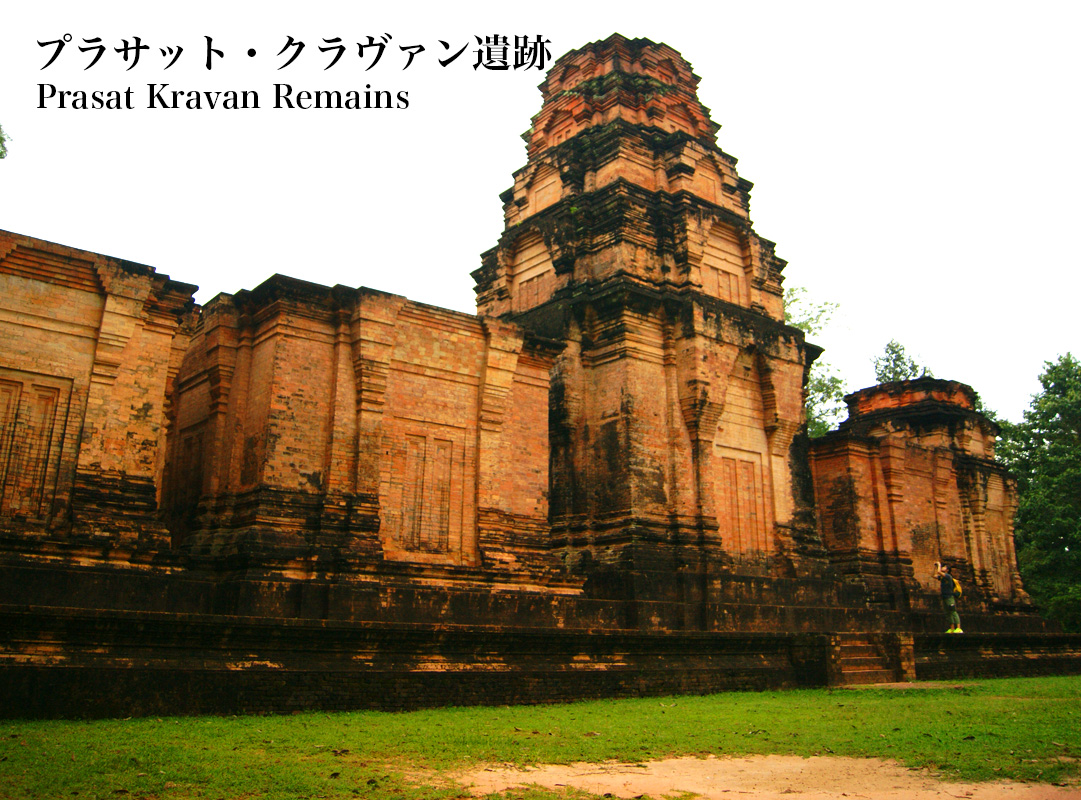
{"type": "Point", "coordinates": [956, 587]}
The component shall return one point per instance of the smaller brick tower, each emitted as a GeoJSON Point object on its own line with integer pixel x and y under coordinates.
{"type": "Point", "coordinates": [89, 350]}
{"type": "Point", "coordinates": [679, 394]}
{"type": "Point", "coordinates": [910, 478]}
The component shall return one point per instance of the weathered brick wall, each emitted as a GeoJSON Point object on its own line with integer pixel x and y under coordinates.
{"type": "Point", "coordinates": [910, 479]}
{"type": "Point", "coordinates": [353, 423]}
{"type": "Point", "coordinates": [53, 663]}
{"type": "Point", "coordinates": [88, 345]}
{"type": "Point", "coordinates": [685, 415]}
{"type": "Point", "coordinates": [232, 665]}
{"type": "Point", "coordinates": [942, 656]}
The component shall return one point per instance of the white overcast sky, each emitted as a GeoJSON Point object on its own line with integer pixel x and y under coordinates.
{"type": "Point", "coordinates": [917, 163]}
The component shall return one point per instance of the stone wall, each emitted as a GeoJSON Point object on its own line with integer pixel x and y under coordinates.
{"type": "Point", "coordinates": [319, 426]}
{"type": "Point", "coordinates": [55, 664]}
{"type": "Point", "coordinates": [234, 665]}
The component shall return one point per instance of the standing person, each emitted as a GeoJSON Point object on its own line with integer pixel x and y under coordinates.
{"type": "Point", "coordinates": [949, 600]}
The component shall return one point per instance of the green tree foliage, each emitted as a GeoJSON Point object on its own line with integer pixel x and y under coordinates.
{"type": "Point", "coordinates": [1044, 452]}
{"type": "Point", "coordinates": [825, 389]}
{"type": "Point", "coordinates": [895, 365]}
{"type": "Point", "coordinates": [3, 143]}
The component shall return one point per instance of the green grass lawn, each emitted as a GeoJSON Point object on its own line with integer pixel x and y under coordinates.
{"type": "Point", "coordinates": [1024, 729]}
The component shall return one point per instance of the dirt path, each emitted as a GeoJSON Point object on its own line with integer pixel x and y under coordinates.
{"type": "Point", "coordinates": [757, 778]}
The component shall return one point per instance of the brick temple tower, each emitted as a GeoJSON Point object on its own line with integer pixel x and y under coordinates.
{"type": "Point", "coordinates": [678, 397]}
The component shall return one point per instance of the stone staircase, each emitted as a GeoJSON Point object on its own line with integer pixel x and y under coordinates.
{"type": "Point", "coordinates": [862, 661]}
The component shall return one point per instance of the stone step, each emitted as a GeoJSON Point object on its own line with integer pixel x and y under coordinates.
{"type": "Point", "coordinates": [854, 639]}
{"type": "Point", "coordinates": [867, 676]}
{"type": "Point", "coordinates": [863, 662]}
{"type": "Point", "coordinates": [858, 650]}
